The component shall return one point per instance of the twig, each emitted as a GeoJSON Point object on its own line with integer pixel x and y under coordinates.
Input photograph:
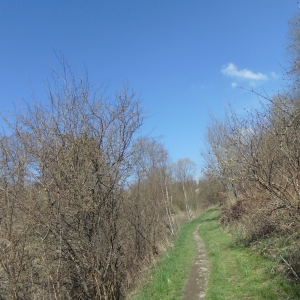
{"type": "Point", "coordinates": [290, 267]}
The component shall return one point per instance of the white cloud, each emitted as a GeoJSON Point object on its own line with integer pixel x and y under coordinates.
{"type": "Point", "coordinates": [234, 84]}
{"type": "Point", "coordinates": [232, 70]}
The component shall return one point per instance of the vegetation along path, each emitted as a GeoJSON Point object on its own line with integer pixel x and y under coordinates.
{"type": "Point", "coordinates": [235, 271]}
{"type": "Point", "coordinates": [168, 277]}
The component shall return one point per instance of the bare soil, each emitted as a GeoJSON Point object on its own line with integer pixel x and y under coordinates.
{"type": "Point", "coordinates": [198, 278]}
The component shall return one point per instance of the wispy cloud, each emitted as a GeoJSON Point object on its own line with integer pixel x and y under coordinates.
{"type": "Point", "coordinates": [232, 70]}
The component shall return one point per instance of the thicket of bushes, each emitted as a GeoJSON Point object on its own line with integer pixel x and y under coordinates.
{"type": "Point", "coordinates": [256, 158]}
{"type": "Point", "coordinates": [85, 202]}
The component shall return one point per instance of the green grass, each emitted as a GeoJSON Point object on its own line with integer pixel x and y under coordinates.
{"type": "Point", "coordinates": [237, 272]}
{"type": "Point", "coordinates": [170, 274]}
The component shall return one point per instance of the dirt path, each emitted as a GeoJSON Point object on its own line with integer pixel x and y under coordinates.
{"type": "Point", "coordinates": [197, 283]}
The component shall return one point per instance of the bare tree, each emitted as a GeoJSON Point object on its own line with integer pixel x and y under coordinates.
{"type": "Point", "coordinates": [184, 171]}
{"type": "Point", "coordinates": [85, 202]}
{"type": "Point", "coordinates": [77, 153]}
{"type": "Point", "coordinates": [153, 166]}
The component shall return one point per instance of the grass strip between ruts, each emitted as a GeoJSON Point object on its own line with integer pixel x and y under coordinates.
{"type": "Point", "coordinates": [237, 272]}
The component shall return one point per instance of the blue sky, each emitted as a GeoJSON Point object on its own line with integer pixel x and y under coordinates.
{"type": "Point", "coordinates": [185, 58]}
